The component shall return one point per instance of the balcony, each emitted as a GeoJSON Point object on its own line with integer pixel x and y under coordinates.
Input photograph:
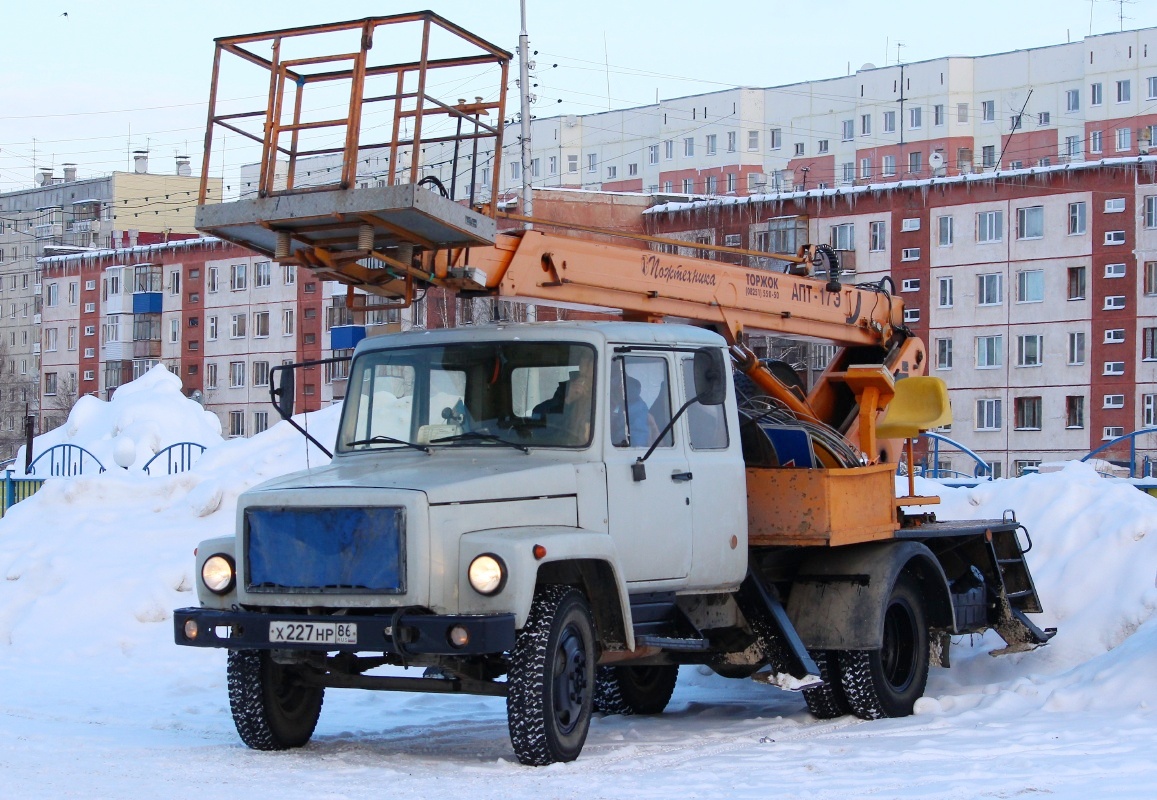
{"type": "Point", "coordinates": [147, 348]}
{"type": "Point", "coordinates": [147, 302]}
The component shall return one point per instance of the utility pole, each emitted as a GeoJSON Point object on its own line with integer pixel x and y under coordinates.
{"type": "Point", "coordinates": [524, 128]}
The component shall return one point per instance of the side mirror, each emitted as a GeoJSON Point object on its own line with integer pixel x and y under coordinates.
{"type": "Point", "coordinates": [710, 377]}
{"type": "Point", "coordinates": [284, 393]}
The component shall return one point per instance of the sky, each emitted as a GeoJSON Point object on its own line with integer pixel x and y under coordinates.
{"type": "Point", "coordinates": [89, 82]}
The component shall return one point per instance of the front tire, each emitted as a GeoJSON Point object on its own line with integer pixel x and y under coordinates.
{"type": "Point", "coordinates": [271, 708]}
{"type": "Point", "coordinates": [888, 682]}
{"type": "Point", "coordinates": [635, 690]}
{"type": "Point", "coordinates": [551, 682]}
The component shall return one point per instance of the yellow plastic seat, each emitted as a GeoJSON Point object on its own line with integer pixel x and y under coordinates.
{"type": "Point", "coordinates": [921, 404]}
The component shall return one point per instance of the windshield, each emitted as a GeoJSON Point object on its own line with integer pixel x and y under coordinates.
{"type": "Point", "coordinates": [476, 394]}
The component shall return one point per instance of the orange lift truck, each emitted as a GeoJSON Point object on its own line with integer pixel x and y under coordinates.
{"type": "Point", "coordinates": [564, 513]}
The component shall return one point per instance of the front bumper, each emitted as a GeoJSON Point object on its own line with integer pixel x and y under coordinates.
{"type": "Point", "coordinates": [401, 634]}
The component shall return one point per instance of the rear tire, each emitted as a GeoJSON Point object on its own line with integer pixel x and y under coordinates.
{"type": "Point", "coordinates": [827, 701]}
{"type": "Point", "coordinates": [551, 682]}
{"type": "Point", "coordinates": [271, 708]}
{"type": "Point", "coordinates": [635, 690]}
{"type": "Point", "coordinates": [888, 682]}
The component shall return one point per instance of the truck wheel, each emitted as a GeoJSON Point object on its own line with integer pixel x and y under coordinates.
{"type": "Point", "coordinates": [551, 682]}
{"type": "Point", "coordinates": [635, 690]}
{"type": "Point", "coordinates": [271, 708]}
{"type": "Point", "coordinates": [888, 682]}
{"type": "Point", "coordinates": [827, 701]}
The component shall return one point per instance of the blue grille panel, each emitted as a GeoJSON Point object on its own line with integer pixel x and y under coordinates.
{"type": "Point", "coordinates": [329, 549]}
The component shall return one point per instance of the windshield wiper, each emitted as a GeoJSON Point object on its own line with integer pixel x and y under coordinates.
{"type": "Point", "coordinates": [382, 439]}
{"type": "Point", "coordinates": [480, 437]}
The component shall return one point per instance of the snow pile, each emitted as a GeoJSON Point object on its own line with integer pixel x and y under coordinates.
{"type": "Point", "coordinates": [143, 417]}
{"type": "Point", "coordinates": [1094, 562]}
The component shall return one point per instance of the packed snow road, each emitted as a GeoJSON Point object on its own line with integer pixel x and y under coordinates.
{"type": "Point", "coordinates": [96, 701]}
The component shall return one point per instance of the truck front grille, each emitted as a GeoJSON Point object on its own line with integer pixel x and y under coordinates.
{"type": "Point", "coordinates": [331, 550]}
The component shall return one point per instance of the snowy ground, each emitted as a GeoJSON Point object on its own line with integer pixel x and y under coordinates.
{"type": "Point", "coordinates": [96, 700]}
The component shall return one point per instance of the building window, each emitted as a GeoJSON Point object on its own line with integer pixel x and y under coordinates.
{"type": "Point", "coordinates": [211, 376]}
{"type": "Point", "coordinates": [1114, 302]}
{"type": "Point", "coordinates": [50, 337]}
{"type": "Point", "coordinates": [989, 351]}
{"type": "Point", "coordinates": [799, 149]}
{"type": "Point", "coordinates": [260, 373]}
{"type": "Point", "coordinates": [990, 289]}
{"type": "Point", "coordinates": [847, 130]}
{"type": "Point", "coordinates": [916, 117]}
{"type": "Point", "coordinates": [865, 167]}
{"type": "Point", "coordinates": [237, 326]}
{"type": "Point", "coordinates": [988, 414]}
{"type": "Point", "coordinates": [49, 383]}
{"type": "Point", "coordinates": [711, 139]}
{"type": "Point", "coordinates": [1030, 222]}
{"type": "Point", "coordinates": [515, 170]}
{"type": "Point", "coordinates": [572, 162]}
{"type": "Point", "coordinates": [260, 324]}
{"type": "Point", "coordinates": [876, 234]}
{"type": "Point", "coordinates": [1094, 141]}
{"type": "Point", "coordinates": [848, 171]}
{"type": "Point", "coordinates": [1015, 122]}
{"type": "Point", "coordinates": [1149, 410]}
{"type": "Point", "coordinates": [1114, 368]}
{"type": "Point", "coordinates": [946, 292]}
{"type": "Point", "coordinates": [943, 354]}
{"type": "Point", "coordinates": [910, 254]}
{"type": "Point", "coordinates": [1076, 218]}
{"type": "Point", "coordinates": [236, 373]}
{"type": "Point", "coordinates": [915, 162]}
{"type": "Point", "coordinates": [1030, 286]}
{"type": "Point", "coordinates": [1028, 413]}
{"type": "Point", "coordinates": [688, 146]}
{"type": "Point", "coordinates": [1044, 118]}
{"type": "Point", "coordinates": [710, 184]}
{"type": "Point", "coordinates": [260, 421]}
{"type": "Point", "coordinates": [990, 226]}
{"type": "Point", "coordinates": [1112, 432]}
{"type": "Point", "coordinates": [988, 111]}
{"type": "Point", "coordinates": [1114, 335]}
{"type": "Point", "coordinates": [1073, 146]}
{"type": "Point", "coordinates": [911, 315]}
{"type": "Point", "coordinates": [1029, 350]}
{"type": "Point", "coordinates": [888, 166]}
{"type": "Point", "coordinates": [1115, 205]}
{"type": "Point", "coordinates": [988, 156]}
{"type": "Point", "coordinates": [1076, 348]}
{"type": "Point", "coordinates": [236, 423]}
{"type": "Point", "coordinates": [688, 186]}
{"type": "Point", "coordinates": [1072, 100]}
{"type": "Point", "coordinates": [261, 274]}
{"type": "Point", "coordinates": [1076, 283]}
{"type": "Point", "coordinates": [732, 141]}
{"type": "Point", "coordinates": [889, 122]}
{"type": "Point", "coordinates": [775, 139]}
{"type": "Point", "coordinates": [1124, 91]}
{"type": "Point", "coordinates": [287, 322]}
{"type": "Point", "coordinates": [1074, 412]}
{"type": "Point", "coordinates": [843, 236]}
{"type": "Point", "coordinates": [865, 125]}
{"type": "Point", "coordinates": [909, 224]}
{"type": "Point", "coordinates": [1124, 139]}
{"type": "Point", "coordinates": [1114, 237]}
{"type": "Point", "coordinates": [174, 331]}
{"type": "Point", "coordinates": [72, 337]}
{"type": "Point", "coordinates": [612, 172]}
{"type": "Point", "coordinates": [1114, 270]}
{"type": "Point", "coordinates": [1114, 401]}
{"type": "Point", "coordinates": [1149, 344]}
{"type": "Point", "coordinates": [938, 115]}
{"type": "Point", "coordinates": [822, 146]}
{"type": "Point", "coordinates": [1095, 96]}
{"type": "Point", "coordinates": [944, 231]}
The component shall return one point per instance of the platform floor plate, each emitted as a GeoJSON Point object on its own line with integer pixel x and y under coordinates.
{"type": "Point", "coordinates": [332, 219]}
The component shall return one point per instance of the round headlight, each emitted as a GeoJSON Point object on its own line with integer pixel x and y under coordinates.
{"type": "Point", "coordinates": [218, 573]}
{"type": "Point", "coordinates": [487, 574]}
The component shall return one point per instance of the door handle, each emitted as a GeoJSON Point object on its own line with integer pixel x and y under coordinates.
{"type": "Point", "coordinates": [680, 477]}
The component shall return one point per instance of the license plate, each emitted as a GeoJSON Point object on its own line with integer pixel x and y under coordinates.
{"type": "Point", "coordinates": [314, 632]}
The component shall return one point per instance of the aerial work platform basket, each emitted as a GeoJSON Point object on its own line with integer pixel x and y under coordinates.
{"type": "Point", "coordinates": [354, 160]}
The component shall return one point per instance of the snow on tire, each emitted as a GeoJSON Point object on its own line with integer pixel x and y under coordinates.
{"type": "Point", "coordinates": [271, 710]}
{"type": "Point", "coordinates": [827, 701]}
{"type": "Point", "coordinates": [552, 678]}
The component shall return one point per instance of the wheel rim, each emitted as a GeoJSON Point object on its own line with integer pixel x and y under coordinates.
{"type": "Point", "coordinates": [898, 656]}
{"type": "Point", "coordinates": [570, 679]}
{"type": "Point", "coordinates": [291, 696]}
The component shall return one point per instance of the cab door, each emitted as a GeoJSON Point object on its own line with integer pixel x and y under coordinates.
{"type": "Point", "coordinates": [650, 520]}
